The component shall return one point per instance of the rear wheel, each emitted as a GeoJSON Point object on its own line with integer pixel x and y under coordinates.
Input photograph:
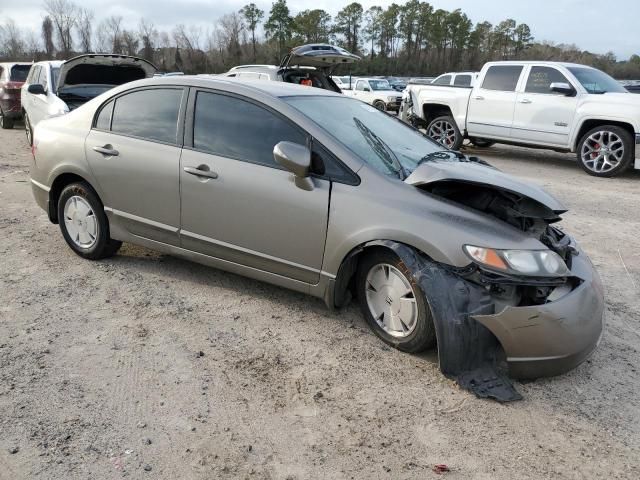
{"type": "Point", "coordinates": [393, 304]}
{"type": "Point", "coordinates": [5, 123]}
{"type": "Point", "coordinates": [605, 151]}
{"type": "Point", "coordinates": [28, 130]}
{"type": "Point", "coordinates": [445, 131]}
{"type": "Point", "coordinates": [84, 224]}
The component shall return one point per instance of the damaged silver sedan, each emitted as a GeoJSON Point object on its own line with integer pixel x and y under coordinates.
{"type": "Point", "coordinates": [326, 195]}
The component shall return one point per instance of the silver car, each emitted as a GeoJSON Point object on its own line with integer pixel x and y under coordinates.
{"type": "Point", "coordinates": [326, 195]}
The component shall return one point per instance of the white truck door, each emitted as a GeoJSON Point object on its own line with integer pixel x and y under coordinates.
{"type": "Point", "coordinates": [542, 116]}
{"type": "Point", "coordinates": [492, 103]}
{"type": "Point", "coordinates": [359, 92]}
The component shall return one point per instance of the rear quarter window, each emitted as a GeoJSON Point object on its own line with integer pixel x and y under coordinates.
{"type": "Point", "coordinates": [445, 80]}
{"type": "Point", "coordinates": [502, 77]}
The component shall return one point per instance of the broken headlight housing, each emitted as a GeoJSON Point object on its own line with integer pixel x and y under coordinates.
{"type": "Point", "coordinates": [535, 263]}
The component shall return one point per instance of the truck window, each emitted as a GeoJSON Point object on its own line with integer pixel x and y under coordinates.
{"type": "Point", "coordinates": [541, 78]}
{"type": "Point", "coordinates": [360, 85]}
{"type": "Point", "coordinates": [462, 81]}
{"type": "Point", "coordinates": [502, 77]}
{"type": "Point", "coordinates": [443, 80]}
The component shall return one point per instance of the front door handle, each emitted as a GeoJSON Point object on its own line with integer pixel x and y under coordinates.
{"type": "Point", "coordinates": [201, 171]}
{"type": "Point", "coordinates": [525, 100]}
{"type": "Point", "coordinates": [106, 150]}
{"type": "Point", "coordinates": [478, 97]}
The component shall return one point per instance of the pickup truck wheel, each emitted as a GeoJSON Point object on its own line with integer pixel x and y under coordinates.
{"type": "Point", "coordinates": [379, 104]}
{"type": "Point", "coordinates": [5, 123]}
{"type": "Point", "coordinates": [605, 151]}
{"type": "Point", "coordinates": [445, 131]}
{"type": "Point", "coordinates": [481, 142]}
{"type": "Point", "coordinates": [393, 304]}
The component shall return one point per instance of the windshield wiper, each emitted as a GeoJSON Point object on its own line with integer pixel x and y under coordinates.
{"type": "Point", "coordinates": [382, 149]}
{"type": "Point", "coordinates": [442, 155]}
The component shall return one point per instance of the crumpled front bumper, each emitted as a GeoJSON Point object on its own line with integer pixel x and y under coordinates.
{"type": "Point", "coordinates": [550, 339]}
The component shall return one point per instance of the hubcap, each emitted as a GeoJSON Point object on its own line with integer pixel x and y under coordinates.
{"type": "Point", "coordinates": [391, 300]}
{"type": "Point", "coordinates": [443, 133]}
{"type": "Point", "coordinates": [80, 222]}
{"type": "Point", "coordinates": [602, 151]}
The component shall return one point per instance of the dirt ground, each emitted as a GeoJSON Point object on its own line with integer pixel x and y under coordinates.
{"type": "Point", "coordinates": [146, 366]}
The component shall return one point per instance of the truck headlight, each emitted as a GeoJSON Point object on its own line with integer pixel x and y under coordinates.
{"type": "Point", "coordinates": [391, 99]}
{"type": "Point", "coordinates": [536, 263]}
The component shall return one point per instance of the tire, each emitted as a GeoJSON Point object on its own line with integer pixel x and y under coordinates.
{"type": "Point", "coordinates": [5, 123]}
{"type": "Point", "coordinates": [411, 337]}
{"type": "Point", "coordinates": [86, 233]}
{"type": "Point", "coordinates": [615, 141]}
{"type": "Point", "coordinates": [445, 131]}
{"type": "Point", "coordinates": [380, 105]}
{"type": "Point", "coordinates": [482, 142]}
{"type": "Point", "coordinates": [28, 130]}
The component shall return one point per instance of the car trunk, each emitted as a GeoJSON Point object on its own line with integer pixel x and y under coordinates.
{"type": "Point", "coordinates": [87, 76]}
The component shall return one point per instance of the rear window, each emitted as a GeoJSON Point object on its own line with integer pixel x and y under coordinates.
{"type": "Point", "coordinates": [462, 81]}
{"type": "Point", "coordinates": [148, 114]}
{"type": "Point", "coordinates": [503, 78]}
{"type": "Point", "coordinates": [445, 80]}
{"type": "Point", "coordinates": [19, 73]}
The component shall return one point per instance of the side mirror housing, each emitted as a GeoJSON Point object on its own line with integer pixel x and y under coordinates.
{"type": "Point", "coordinates": [36, 89]}
{"type": "Point", "coordinates": [367, 89]}
{"type": "Point", "coordinates": [295, 158]}
{"type": "Point", "coordinates": [563, 88]}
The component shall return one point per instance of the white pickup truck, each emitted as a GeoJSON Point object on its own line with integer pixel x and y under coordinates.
{"type": "Point", "coordinates": [377, 92]}
{"type": "Point", "coordinates": [559, 106]}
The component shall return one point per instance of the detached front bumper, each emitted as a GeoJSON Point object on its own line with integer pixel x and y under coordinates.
{"type": "Point", "coordinates": [550, 339]}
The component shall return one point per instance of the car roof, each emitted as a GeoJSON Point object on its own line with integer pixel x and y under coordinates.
{"type": "Point", "coordinates": [543, 63]}
{"type": "Point", "coordinates": [274, 89]}
{"type": "Point", "coordinates": [53, 63]}
{"type": "Point", "coordinates": [15, 63]}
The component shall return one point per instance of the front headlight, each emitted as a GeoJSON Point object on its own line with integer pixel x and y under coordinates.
{"type": "Point", "coordinates": [391, 99]}
{"type": "Point", "coordinates": [537, 263]}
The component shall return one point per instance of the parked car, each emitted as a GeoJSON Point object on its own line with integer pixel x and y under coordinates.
{"type": "Point", "coordinates": [310, 65]}
{"type": "Point", "coordinates": [317, 192]}
{"type": "Point", "coordinates": [420, 80]}
{"type": "Point", "coordinates": [396, 83]}
{"type": "Point", "coordinates": [561, 106]}
{"type": "Point", "coordinates": [56, 87]}
{"type": "Point", "coordinates": [456, 79]}
{"type": "Point", "coordinates": [12, 77]}
{"type": "Point", "coordinates": [345, 82]}
{"type": "Point", "coordinates": [377, 92]}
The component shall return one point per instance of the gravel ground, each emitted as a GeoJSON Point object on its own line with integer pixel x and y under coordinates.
{"type": "Point", "coordinates": [146, 366]}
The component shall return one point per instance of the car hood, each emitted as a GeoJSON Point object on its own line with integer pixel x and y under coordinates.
{"type": "Point", "coordinates": [319, 55]}
{"type": "Point", "coordinates": [103, 69]}
{"type": "Point", "coordinates": [617, 98]}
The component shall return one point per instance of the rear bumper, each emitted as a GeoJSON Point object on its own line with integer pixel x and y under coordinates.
{"type": "Point", "coordinates": [551, 339]}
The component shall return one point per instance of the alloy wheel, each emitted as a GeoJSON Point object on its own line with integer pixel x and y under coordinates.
{"type": "Point", "coordinates": [391, 300]}
{"type": "Point", "coordinates": [443, 132]}
{"type": "Point", "coordinates": [602, 151]}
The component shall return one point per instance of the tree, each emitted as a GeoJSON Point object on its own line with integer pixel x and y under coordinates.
{"type": "Point", "coordinates": [373, 26]}
{"type": "Point", "coordinates": [252, 16]}
{"type": "Point", "coordinates": [149, 35]}
{"type": "Point", "coordinates": [84, 27]}
{"type": "Point", "coordinates": [110, 34]}
{"type": "Point", "coordinates": [63, 14]}
{"type": "Point", "coordinates": [231, 31]}
{"type": "Point", "coordinates": [312, 26]}
{"type": "Point", "coordinates": [348, 23]}
{"type": "Point", "coordinates": [47, 36]}
{"type": "Point", "coordinates": [278, 26]}
{"type": "Point", "coordinates": [13, 44]}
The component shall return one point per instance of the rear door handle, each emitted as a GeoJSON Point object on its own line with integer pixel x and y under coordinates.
{"type": "Point", "coordinates": [106, 150]}
{"type": "Point", "coordinates": [478, 97]}
{"type": "Point", "coordinates": [525, 100]}
{"type": "Point", "coordinates": [201, 171]}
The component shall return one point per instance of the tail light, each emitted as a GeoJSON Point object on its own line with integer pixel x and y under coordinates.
{"type": "Point", "coordinates": [13, 87]}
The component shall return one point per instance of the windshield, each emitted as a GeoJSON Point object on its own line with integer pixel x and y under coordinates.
{"type": "Point", "coordinates": [379, 85]}
{"type": "Point", "coordinates": [387, 144]}
{"type": "Point", "coordinates": [19, 73]}
{"type": "Point", "coordinates": [55, 73]}
{"type": "Point", "coordinates": [595, 81]}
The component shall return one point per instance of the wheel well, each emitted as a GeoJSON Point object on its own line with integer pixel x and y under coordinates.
{"type": "Point", "coordinates": [433, 111]}
{"type": "Point", "coordinates": [589, 124]}
{"type": "Point", "coordinates": [58, 185]}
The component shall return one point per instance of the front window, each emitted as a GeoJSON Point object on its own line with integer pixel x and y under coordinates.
{"type": "Point", "coordinates": [385, 143]}
{"type": "Point", "coordinates": [379, 85]}
{"type": "Point", "coordinates": [55, 73]}
{"type": "Point", "coordinates": [596, 82]}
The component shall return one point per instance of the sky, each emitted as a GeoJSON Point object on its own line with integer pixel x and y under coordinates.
{"type": "Point", "coordinates": [587, 23]}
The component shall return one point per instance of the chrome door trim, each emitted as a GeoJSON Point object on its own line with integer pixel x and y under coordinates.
{"type": "Point", "coordinates": [146, 221]}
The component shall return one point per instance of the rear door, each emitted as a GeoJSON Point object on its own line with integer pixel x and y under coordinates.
{"type": "Point", "coordinates": [134, 151]}
{"type": "Point", "coordinates": [542, 116]}
{"type": "Point", "coordinates": [491, 105]}
{"type": "Point", "coordinates": [238, 205]}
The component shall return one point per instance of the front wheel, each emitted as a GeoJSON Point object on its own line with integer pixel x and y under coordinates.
{"type": "Point", "coordinates": [445, 131]}
{"type": "Point", "coordinates": [605, 151]}
{"type": "Point", "coordinates": [84, 224]}
{"type": "Point", "coordinates": [393, 304]}
{"type": "Point", "coordinates": [380, 105]}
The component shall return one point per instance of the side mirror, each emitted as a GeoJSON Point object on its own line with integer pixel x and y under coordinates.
{"type": "Point", "coordinates": [562, 87]}
{"type": "Point", "coordinates": [36, 89]}
{"type": "Point", "coordinates": [297, 159]}
{"type": "Point", "coordinates": [367, 89]}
